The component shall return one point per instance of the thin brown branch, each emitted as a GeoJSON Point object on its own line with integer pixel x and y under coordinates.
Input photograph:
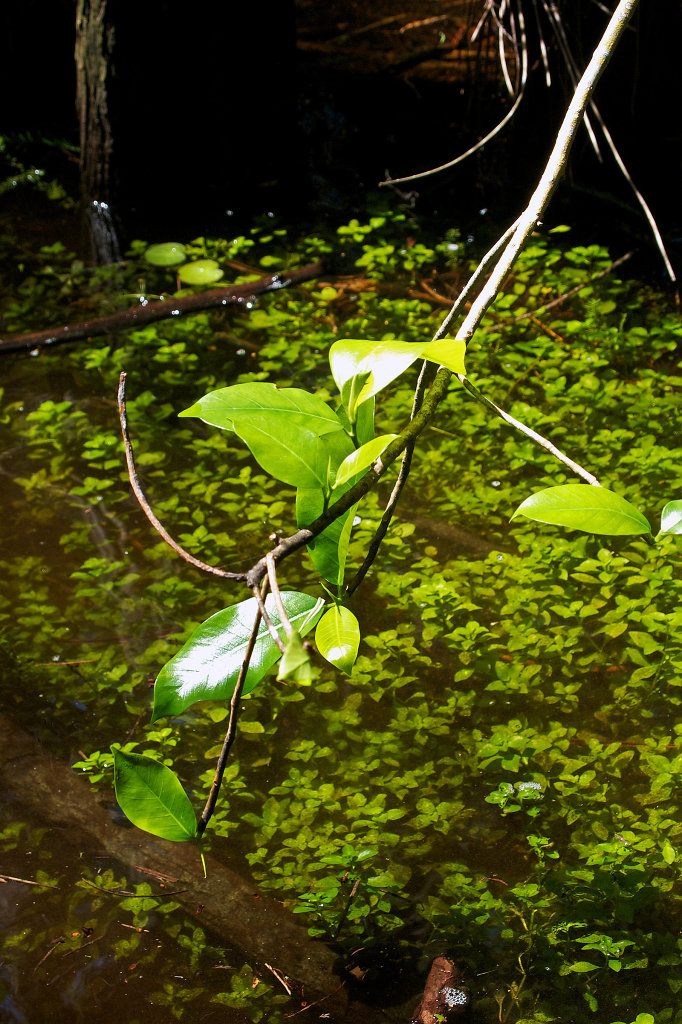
{"type": "Point", "coordinates": [389, 510]}
{"type": "Point", "coordinates": [231, 731]}
{"type": "Point", "coordinates": [529, 432]}
{"type": "Point", "coordinates": [270, 626]}
{"type": "Point", "coordinates": [276, 596]}
{"type": "Point", "coordinates": [149, 312]}
{"type": "Point", "coordinates": [144, 504]}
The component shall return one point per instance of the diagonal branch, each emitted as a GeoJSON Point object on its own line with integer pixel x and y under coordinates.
{"type": "Point", "coordinates": [144, 504]}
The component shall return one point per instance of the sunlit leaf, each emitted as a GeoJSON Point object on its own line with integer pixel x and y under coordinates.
{"type": "Point", "coordinates": [584, 507]}
{"type": "Point", "coordinates": [200, 272]}
{"type": "Point", "coordinates": [446, 352]}
{"type": "Point", "coordinates": [166, 254]}
{"type": "Point", "coordinates": [671, 517]}
{"type": "Point", "coordinates": [295, 663]}
{"type": "Point", "coordinates": [345, 357]}
{"type": "Point", "coordinates": [362, 458]}
{"type": "Point", "coordinates": [295, 436]}
{"type": "Point", "coordinates": [337, 637]}
{"type": "Point", "coordinates": [150, 795]}
{"type": "Point", "coordinates": [208, 665]}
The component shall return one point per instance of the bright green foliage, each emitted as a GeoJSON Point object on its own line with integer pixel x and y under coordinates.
{"type": "Point", "coordinates": [295, 663]}
{"type": "Point", "coordinates": [150, 795]}
{"type": "Point", "coordinates": [166, 254]}
{"type": "Point", "coordinates": [588, 508]}
{"type": "Point", "coordinates": [337, 637]}
{"type": "Point", "coordinates": [200, 272]}
{"type": "Point", "coordinates": [361, 459]}
{"type": "Point", "coordinates": [671, 517]}
{"type": "Point", "coordinates": [495, 660]}
{"type": "Point", "coordinates": [208, 665]}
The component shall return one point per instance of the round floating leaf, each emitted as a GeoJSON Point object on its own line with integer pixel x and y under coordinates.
{"type": "Point", "coordinates": [584, 507]}
{"type": "Point", "coordinates": [671, 517]}
{"type": "Point", "coordinates": [200, 272]}
{"type": "Point", "coordinates": [337, 637]}
{"type": "Point", "coordinates": [150, 796]}
{"type": "Point", "coordinates": [208, 665]}
{"type": "Point", "coordinates": [166, 254]}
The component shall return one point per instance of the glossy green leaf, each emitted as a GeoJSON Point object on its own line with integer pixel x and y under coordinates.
{"type": "Point", "coordinates": [359, 460]}
{"type": "Point", "coordinates": [295, 663]}
{"type": "Point", "coordinates": [208, 665]}
{"type": "Point", "coordinates": [337, 637]}
{"type": "Point", "coordinates": [446, 352]}
{"type": "Point", "coordinates": [386, 361]}
{"type": "Point", "coordinates": [345, 357]}
{"type": "Point", "coordinates": [293, 435]}
{"type": "Point", "coordinates": [671, 517]}
{"type": "Point", "coordinates": [324, 551]}
{"type": "Point", "coordinates": [166, 254]}
{"type": "Point", "coordinates": [200, 272]}
{"type": "Point", "coordinates": [584, 507]}
{"type": "Point", "coordinates": [150, 795]}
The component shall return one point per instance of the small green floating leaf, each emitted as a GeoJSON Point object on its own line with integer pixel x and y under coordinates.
{"type": "Point", "coordinates": [295, 663]}
{"type": "Point", "coordinates": [671, 517]}
{"type": "Point", "coordinates": [208, 665]}
{"type": "Point", "coordinates": [200, 272]}
{"type": "Point", "coordinates": [150, 795]}
{"type": "Point", "coordinates": [165, 254]}
{"type": "Point", "coordinates": [362, 458]}
{"type": "Point", "coordinates": [584, 507]}
{"type": "Point", "coordinates": [582, 967]}
{"type": "Point", "coordinates": [337, 637]}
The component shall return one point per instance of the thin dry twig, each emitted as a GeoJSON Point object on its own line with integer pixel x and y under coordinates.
{"type": "Point", "coordinates": [144, 504]}
{"type": "Point", "coordinates": [571, 292]}
{"type": "Point", "coordinates": [27, 881]}
{"type": "Point", "coordinates": [281, 978]}
{"type": "Point", "coordinates": [269, 624]}
{"type": "Point", "coordinates": [277, 597]}
{"type": "Point", "coordinates": [231, 729]}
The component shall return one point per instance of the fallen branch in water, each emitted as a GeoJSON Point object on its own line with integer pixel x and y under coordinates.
{"type": "Point", "coordinates": [128, 319]}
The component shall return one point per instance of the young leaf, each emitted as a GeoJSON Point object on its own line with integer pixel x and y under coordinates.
{"type": "Point", "coordinates": [337, 637]}
{"type": "Point", "coordinates": [345, 357]}
{"type": "Point", "coordinates": [446, 352]}
{"type": "Point", "coordinates": [386, 361]}
{"type": "Point", "coordinates": [671, 517]}
{"type": "Point", "coordinates": [150, 796]}
{"type": "Point", "coordinates": [295, 663]}
{"type": "Point", "coordinates": [286, 430]}
{"type": "Point", "coordinates": [584, 507]}
{"type": "Point", "coordinates": [361, 459]}
{"type": "Point", "coordinates": [208, 665]}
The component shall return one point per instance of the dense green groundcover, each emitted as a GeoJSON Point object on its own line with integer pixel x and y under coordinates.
{"type": "Point", "coordinates": [501, 772]}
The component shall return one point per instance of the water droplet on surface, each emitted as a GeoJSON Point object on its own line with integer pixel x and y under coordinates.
{"type": "Point", "coordinates": [496, 483]}
{"type": "Point", "coordinates": [175, 312]}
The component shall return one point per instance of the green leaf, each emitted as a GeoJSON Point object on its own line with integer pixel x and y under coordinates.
{"type": "Point", "coordinates": [293, 435]}
{"type": "Point", "coordinates": [584, 507]}
{"type": "Point", "coordinates": [329, 549]}
{"type": "Point", "coordinates": [345, 357]}
{"type": "Point", "coordinates": [447, 352]}
{"type": "Point", "coordinates": [582, 966]}
{"type": "Point", "coordinates": [362, 458]}
{"type": "Point", "coordinates": [337, 637]}
{"type": "Point", "coordinates": [166, 254]}
{"type": "Point", "coordinates": [671, 517]}
{"type": "Point", "coordinates": [208, 665]}
{"type": "Point", "coordinates": [200, 272]}
{"type": "Point", "coordinates": [295, 663]}
{"type": "Point", "coordinates": [150, 795]}
{"type": "Point", "coordinates": [668, 851]}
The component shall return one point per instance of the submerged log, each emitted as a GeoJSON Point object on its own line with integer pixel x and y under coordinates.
{"type": "Point", "coordinates": [138, 316]}
{"type": "Point", "coordinates": [445, 997]}
{"type": "Point", "coordinates": [260, 927]}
